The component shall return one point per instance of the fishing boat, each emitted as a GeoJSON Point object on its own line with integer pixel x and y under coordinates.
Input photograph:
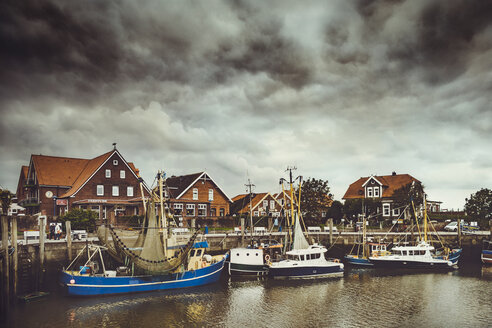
{"type": "Point", "coordinates": [486, 255]}
{"type": "Point", "coordinates": [420, 256]}
{"type": "Point", "coordinates": [365, 249]}
{"type": "Point", "coordinates": [303, 260]}
{"type": "Point", "coordinates": [147, 265]}
{"type": "Point", "coordinates": [252, 260]}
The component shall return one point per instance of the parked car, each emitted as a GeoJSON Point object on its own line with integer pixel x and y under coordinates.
{"type": "Point", "coordinates": [453, 226]}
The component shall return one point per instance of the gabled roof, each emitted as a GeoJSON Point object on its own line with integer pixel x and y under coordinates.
{"type": "Point", "coordinates": [241, 203]}
{"type": "Point", "coordinates": [57, 171]}
{"type": "Point", "coordinates": [179, 185]}
{"type": "Point", "coordinates": [390, 184]}
{"type": "Point", "coordinates": [71, 172]}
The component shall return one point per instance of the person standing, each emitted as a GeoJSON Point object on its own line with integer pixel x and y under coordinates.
{"type": "Point", "coordinates": [58, 231]}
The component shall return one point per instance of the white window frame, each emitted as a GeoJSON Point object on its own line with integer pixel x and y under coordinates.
{"type": "Point", "coordinates": [210, 194]}
{"type": "Point", "coordinates": [115, 191]}
{"type": "Point", "coordinates": [272, 205]}
{"type": "Point", "coordinates": [115, 162]}
{"type": "Point", "coordinates": [195, 194]}
{"type": "Point", "coordinates": [122, 174]}
{"type": "Point", "coordinates": [190, 207]}
{"type": "Point", "coordinates": [256, 213]}
{"type": "Point", "coordinates": [386, 209]}
{"type": "Point", "coordinates": [202, 207]}
{"type": "Point", "coordinates": [265, 204]}
{"type": "Point", "coordinates": [100, 190]}
{"type": "Point", "coordinates": [396, 211]}
{"type": "Point", "coordinates": [129, 191]}
{"type": "Point", "coordinates": [376, 191]}
{"type": "Point", "coordinates": [369, 192]}
{"type": "Point", "coordinates": [108, 173]}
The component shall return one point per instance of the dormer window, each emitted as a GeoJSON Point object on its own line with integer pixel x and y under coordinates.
{"type": "Point", "coordinates": [376, 191]}
{"type": "Point", "coordinates": [115, 162]}
{"type": "Point", "coordinates": [369, 192]}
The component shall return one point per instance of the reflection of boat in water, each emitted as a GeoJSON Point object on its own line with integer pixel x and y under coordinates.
{"type": "Point", "coordinates": [486, 255]}
{"type": "Point", "coordinates": [149, 264]}
{"type": "Point", "coordinates": [303, 260]}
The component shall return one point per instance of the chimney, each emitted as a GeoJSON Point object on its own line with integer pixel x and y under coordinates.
{"type": "Point", "coordinates": [394, 173]}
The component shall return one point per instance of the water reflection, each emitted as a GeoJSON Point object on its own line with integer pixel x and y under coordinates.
{"type": "Point", "coordinates": [362, 298]}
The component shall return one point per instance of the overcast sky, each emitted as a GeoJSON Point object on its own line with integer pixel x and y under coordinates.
{"type": "Point", "coordinates": [340, 89]}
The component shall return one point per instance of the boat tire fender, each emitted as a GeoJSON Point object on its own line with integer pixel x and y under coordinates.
{"type": "Point", "coordinates": [267, 258]}
{"type": "Point", "coordinates": [336, 260]}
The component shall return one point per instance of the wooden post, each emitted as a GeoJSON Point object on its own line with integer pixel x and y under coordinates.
{"type": "Point", "coordinates": [242, 231]}
{"type": "Point", "coordinates": [68, 229]}
{"type": "Point", "coordinates": [5, 289]}
{"type": "Point", "coordinates": [42, 225]}
{"type": "Point", "coordinates": [193, 223]}
{"type": "Point", "coordinates": [490, 226]}
{"type": "Point", "coordinates": [16, 258]}
{"type": "Point", "coordinates": [270, 223]}
{"type": "Point", "coordinates": [331, 231]}
{"type": "Point", "coordinates": [459, 232]}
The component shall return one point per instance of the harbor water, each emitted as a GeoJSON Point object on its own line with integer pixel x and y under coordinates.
{"type": "Point", "coordinates": [362, 298]}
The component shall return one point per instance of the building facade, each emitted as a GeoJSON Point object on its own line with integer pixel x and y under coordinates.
{"type": "Point", "coordinates": [262, 204]}
{"type": "Point", "coordinates": [196, 196]}
{"type": "Point", "coordinates": [107, 185]}
{"type": "Point", "coordinates": [380, 188]}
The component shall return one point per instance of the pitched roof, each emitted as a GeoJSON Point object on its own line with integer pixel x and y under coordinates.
{"type": "Point", "coordinates": [390, 184]}
{"type": "Point", "coordinates": [57, 171]}
{"type": "Point", "coordinates": [25, 170]}
{"type": "Point", "coordinates": [89, 169]}
{"type": "Point", "coordinates": [241, 203]}
{"type": "Point", "coordinates": [178, 185]}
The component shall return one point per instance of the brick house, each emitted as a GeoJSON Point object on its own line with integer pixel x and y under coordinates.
{"type": "Point", "coordinates": [382, 188]}
{"type": "Point", "coordinates": [106, 184]}
{"type": "Point", "coordinates": [262, 204]}
{"type": "Point", "coordinates": [196, 196]}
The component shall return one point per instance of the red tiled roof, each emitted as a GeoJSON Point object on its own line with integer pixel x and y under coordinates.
{"type": "Point", "coordinates": [90, 167]}
{"type": "Point", "coordinates": [390, 184]}
{"type": "Point", "coordinates": [25, 171]}
{"type": "Point", "coordinates": [241, 204]}
{"type": "Point", "coordinates": [57, 171]}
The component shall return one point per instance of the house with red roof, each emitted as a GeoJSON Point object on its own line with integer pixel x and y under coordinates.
{"type": "Point", "coordinates": [196, 195]}
{"type": "Point", "coordinates": [262, 204]}
{"type": "Point", "coordinates": [106, 184]}
{"type": "Point", "coordinates": [380, 187]}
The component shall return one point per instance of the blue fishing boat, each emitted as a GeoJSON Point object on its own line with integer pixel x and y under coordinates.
{"type": "Point", "coordinates": [151, 262]}
{"type": "Point", "coordinates": [93, 280]}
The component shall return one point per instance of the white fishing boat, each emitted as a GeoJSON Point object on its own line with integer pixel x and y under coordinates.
{"type": "Point", "coordinates": [304, 260]}
{"type": "Point", "coordinates": [420, 256]}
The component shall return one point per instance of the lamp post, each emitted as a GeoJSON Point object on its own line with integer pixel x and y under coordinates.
{"type": "Point", "coordinates": [54, 206]}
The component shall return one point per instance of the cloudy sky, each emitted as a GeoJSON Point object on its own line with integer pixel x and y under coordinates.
{"type": "Point", "coordinates": [340, 89]}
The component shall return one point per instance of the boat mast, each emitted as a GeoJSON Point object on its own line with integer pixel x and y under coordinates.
{"type": "Point", "coordinates": [163, 218]}
{"type": "Point", "coordinates": [425, 218]}
{"type": "Point", "coordinates": [249, 186]}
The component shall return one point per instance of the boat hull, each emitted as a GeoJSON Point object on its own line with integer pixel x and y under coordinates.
{"type": "Point", "coordinates": [486, 257]}
{"type": "Point", "coordinates": [352, 260]}
{"type": "Point", "coordinates": [410, 264]}
{"type": "Point", "coordinates": [237, 269]}
{"type": "Point", "coordinates": [304, 272]}
{"type": "Point", "coordinates": [94, 285]}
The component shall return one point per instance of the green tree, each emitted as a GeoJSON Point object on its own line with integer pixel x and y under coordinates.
{"type": "Point", "coordinates": [404, 196]}
{"type": "Point", "coordinates": [315, 199]}
{"type": "Point", "coordinates": [479, 207]}
{"type": "Point", "coordinates": [80, 219]}
{"type": "Point", "coordinates": [335, 211]}
{"type": "Point", "coordinates": [353, 207]}
{"type": "Point", "coordinates": [6, 198]}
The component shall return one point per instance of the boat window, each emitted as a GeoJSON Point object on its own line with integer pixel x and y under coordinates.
{"type": "Point", "coordinates": [317, 256]}
{"type": "Point", "coordinates": [308, 257]}
{"type": "Point", "coordinates": [422, 252]}
{"type": "Point", "coordinates": [199, 252]}
{"type": "Point", "coordinates": [302, 257]}
{"type": "Point", "coordinates": [410, 252]}
{"type": "Point", "coordinates": [192, 253]}
{"type": "Point", "coordinates": [247, 254]}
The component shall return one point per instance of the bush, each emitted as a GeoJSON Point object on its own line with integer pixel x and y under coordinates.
{"type": "Point", "coordinates": [81, 219]}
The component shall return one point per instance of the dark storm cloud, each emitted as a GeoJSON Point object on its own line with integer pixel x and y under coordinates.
{"type": "Point", "coordinates": [352, 87]}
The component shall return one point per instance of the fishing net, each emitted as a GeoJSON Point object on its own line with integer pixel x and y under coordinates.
{"type": "Point", "coordinates": [149, 251]}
